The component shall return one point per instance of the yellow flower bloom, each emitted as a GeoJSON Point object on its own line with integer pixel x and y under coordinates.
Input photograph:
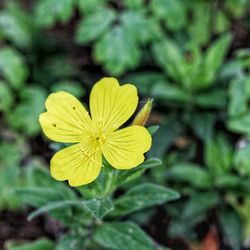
{"type": "Point", "coordinates": [66, 120]}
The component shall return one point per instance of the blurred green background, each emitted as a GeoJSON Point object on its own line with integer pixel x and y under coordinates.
{"type": "Point", "coordinates": [191, 56]}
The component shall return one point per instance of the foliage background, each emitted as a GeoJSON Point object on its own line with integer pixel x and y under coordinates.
{"type": "Point", "coordinates": [192, 57]}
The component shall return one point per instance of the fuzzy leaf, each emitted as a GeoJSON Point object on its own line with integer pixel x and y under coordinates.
{"type": "Point", "coordinates": [122, 236]}
{"type": "Point", "coordinates": [99, 207]}
{"type": "Point", "coordinates": [143, 196]}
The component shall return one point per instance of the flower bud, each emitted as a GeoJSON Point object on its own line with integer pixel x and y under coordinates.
{"type": "Point", "coordinates": [142, 117]}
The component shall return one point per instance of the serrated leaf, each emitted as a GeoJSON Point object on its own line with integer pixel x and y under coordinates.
{"type": "Point", "coordinates": [143, 196]}
{"type": "Point", "coordinates": [99, 207]}
{"type": "Point", "coordinates": [94, 25]}
{"type": "Point", "coordinates": [12, 67]}
{"type": "Point", "coordinates": [55, 205]}
{"type": "Point", "coordinates": [121, 56]}
{"type": "Point", "coordinates": [48, 12]}
{"type": "Point", "coordinates": [122, 236]}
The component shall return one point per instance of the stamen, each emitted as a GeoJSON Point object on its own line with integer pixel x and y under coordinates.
{"type": "Point", "coordinates": [90, 157]}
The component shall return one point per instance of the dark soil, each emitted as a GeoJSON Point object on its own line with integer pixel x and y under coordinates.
{"type": "Point", "coordinates": [14, 225]}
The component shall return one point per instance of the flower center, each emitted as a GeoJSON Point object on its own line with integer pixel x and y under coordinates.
{"type": "Point", "coordinates": [100, 138]}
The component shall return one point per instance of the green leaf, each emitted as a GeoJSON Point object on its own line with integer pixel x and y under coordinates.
{"type": "Point", "coordinates": [143, 81]}
{"type": "Point", "coordinates": [170, 92]}
{"type": "Point", "coordinates": [114, 62]}
{"type": "Point", "coordinates": [173, 12]}
{"type": "Point", "coordinates": [122, 236]}
{"type": "Point", "coordinates": [133, 21]}
{"type": "Point", "coordinates": [134, 4]}
{"type": "Point", "coordinates": [37, 175]}
{"type": "Point", "coordinates": [72, 87]}
{"type": "Point", "coordinates": [218, 155]}
{"type": "Point", "coordinates": [48, 12]}
{"type": "Point", "coordinates": [55, 205]}
{"type": "Point", "coordinates": [15, 25]}
{"type": "Point", "coordinates": [99, 207]}
{"type": "Point", "coordinates": [6, 97]}
{"type": "Point", "coordinates": [215, 98]}
{"type": "Point", "coordinates": [94, 25]}
{"type": "Point", "coordinates": [11, 153]}
{"type": "Point", "coordinates": [238, 97]}
{"type": "Point", "coordinates": [143, 196]}
{"type": "Point", "coordinates": [161, 142]}
{"type": "Point", "coordinates": [228, 182]}
{"type": "Point", "coordinates": [153, 129]}
{"type": "Point", "coordinates": [70, 242]}
{"type": "Point", "coordinates": [25, 116]}
{"type": "Point", "coordinates": [190, 173]}
{"type": "Point", "coordinates": [37, 196]}
{"type": "Point", "coordinates": [240, 124]}
{"type": "Point", "coordinates": [199, 204]}
{"type": "Point", "coordinates": [90, 6]}
{"type": "Point", "coordinates": [222, 22]}
{"type": "Point", "coordinates": [9, 180]}
{"type": "Point", "coordinates": [202, 124]}
{"type": "Point", "coordinates": [215, 56]}
{"type": "Point", "coordinates": [169, 56]}
{"type": "Point", "coordinates": [231, 225]}
{"type": "Point", "coordinates": [12, 67]}
{"type": "Point", "coordinates": [199, 25]}
{"type": "Point", "coordinates": [131, 175]}
{"type": "Point", "coordinates": [40, 244]}
{"type": "Point", "coordinates": [242, 159]}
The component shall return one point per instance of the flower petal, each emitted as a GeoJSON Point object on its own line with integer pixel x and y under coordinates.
{"type": "Point", "coordinates": [66, 120]}
{"type": "Point", "coordinates": [124, 148]}
{"type": "Point", "coordinates": [111, 104]}
{"type": "Point", "coordinates": [80, 164]}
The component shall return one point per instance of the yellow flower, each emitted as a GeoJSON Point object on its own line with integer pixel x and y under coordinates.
{"type": "Point", "coordinates": [66, 120]}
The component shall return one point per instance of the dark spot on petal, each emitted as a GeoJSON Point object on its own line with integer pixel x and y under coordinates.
{"type": "Point", "coordinates": [53, 124]}
{"type": "Point", "coordinates": [74, 108]}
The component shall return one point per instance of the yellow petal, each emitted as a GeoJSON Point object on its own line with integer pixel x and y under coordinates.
{"type": "Point", "coordinates": [80, 164]}
{"type": "Point", "coordinates": [111, 104]}
{"type": "Point", "coordinates": [124, 148]}
{"type": "Point", "coordinates": [66, 120]}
